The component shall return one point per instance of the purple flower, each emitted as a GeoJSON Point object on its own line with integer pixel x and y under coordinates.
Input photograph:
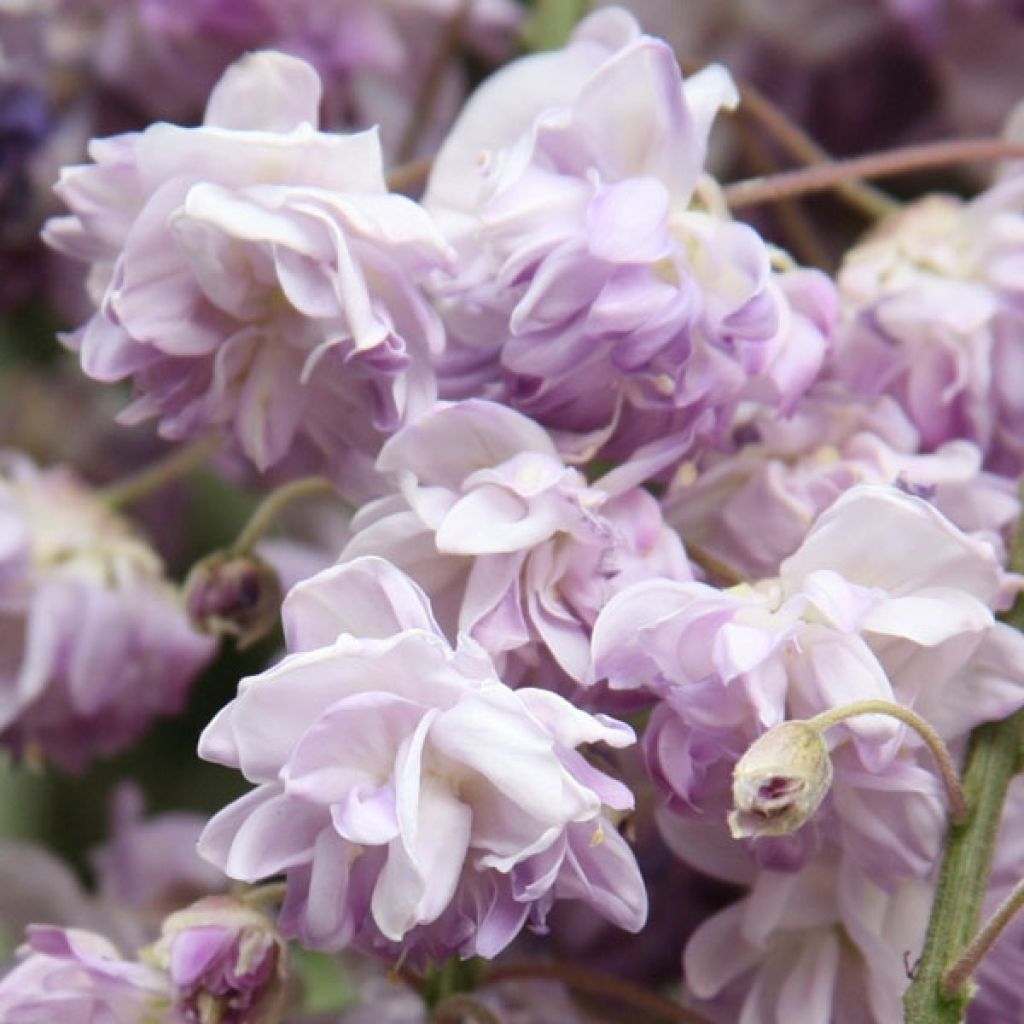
{"type": "Point", "coordinates": [825, 945]}
{"type": "Point", "coordinates": [885, 599]}
{"type": "Point", "coordinates": [96, 643]}
{"type": "Point", "coordinates": [751, 508]}
{"type": "Point", "coordinates": [254, 274]}
{"type": "Point", "coordinates": [514, 547]}
{"type": "Point", "coordinates": [145, 869]}
{"type": "Point", "coordinates": [411, 799]}
{"type": "Point", "coordinates": [226, 962]}
{"type": "Point", "coordinates": [604, 291]}
{"type": "Point", "coordinates": [77, 977]}
{"type": "Point", "coordinates": [932, 317]}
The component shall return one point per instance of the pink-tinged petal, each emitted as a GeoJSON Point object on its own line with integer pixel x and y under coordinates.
{"type": "Point", "coordinates": [599, 868]}
{"type": "Point", "coordinates": [447, 445]}
{"type": "Point", "coordinates": [274, 710]}
{"type": "Point", "coordinates": [910, 545]}
{"type": "Point", "coordinates": [366, 597]}
{"type": "Point", "coordinates": [350, 744]}
{"type": "Point", "coordinates": [528, 772]}
{"type": "Point", "coordinates": [628, 222]}
{"type": "Point", "coordinates": [261, 834]}
{"type": "Point", "coordinates": [492, 520]}
{"type": "Point", "coordinates": [717, 953]}
{"type": "Point", "coordinates": [266, 91]}
{"type": "Point", "coordinates": [928, 617]}
{"type": "Point", "coordinates": [270, 404]}
{"type": "Point", "coordinates": [367, 815]}
{"type": "Point", "coordinates": [328, 923]}
{"type": "Point", "coordinates": [571, 727]}
{"type": "Point", "coordinates": [809, 989]}
{"type": "Point", "coordinates": [424, 863]}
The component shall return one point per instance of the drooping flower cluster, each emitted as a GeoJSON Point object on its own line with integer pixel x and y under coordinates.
{"type": "Point", "coordinates": [412, 799]}
{"type": "Point", "coordinates": [608, 455]}
{"type": "Point", "coordinates": [255, 274]}
{"type": "Point", "coordinates": [96, 643]}
{"type": "Point", "coordinates": [603, 292]}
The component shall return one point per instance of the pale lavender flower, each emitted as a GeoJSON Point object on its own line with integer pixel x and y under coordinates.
{"type": "Point", "coordinates": [78, 977]}
{"type": "Point", "coordinates": [514, 547]}
{"type": "Point", "coordinates": [604, 291]}
{"type": "Point", "coordinates": [413, 801]}
{"type": "Point", "coordinates": [751, 508]}
{"type": "Point", "coordinates": [932, 316]}
{"type": "Point", "coordinates": [825, 946]}
{"type": "Point", "coordinates": [253, 273]}
{"type": "Point", "coordinates": [884, 599]}
{"type": "Point", "coordinates": [226, 962]}
{"type": "Point", "coordinates": [146, 869]}
{"type": "Point", "coordinates": [96, 644]}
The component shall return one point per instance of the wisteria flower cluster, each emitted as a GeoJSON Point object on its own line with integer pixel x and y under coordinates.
{"type": "Point", "coordinates": [642, 633]}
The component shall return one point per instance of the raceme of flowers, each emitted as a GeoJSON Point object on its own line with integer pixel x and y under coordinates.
{"type": "Point", "coordinates": [633, 501]}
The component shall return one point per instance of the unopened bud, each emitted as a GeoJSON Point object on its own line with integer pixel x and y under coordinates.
{"type": "Point", "coordinates": [780, 781]}
{"type": "Point", "coordinates": [233, 595]}
{"type": "Point", "coordinates": [226, 962]}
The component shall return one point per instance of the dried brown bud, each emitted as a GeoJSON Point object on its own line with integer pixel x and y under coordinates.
{"type": "Point", "coordinates": [233, 595]}
{"type": "Point", "coordinates": [780, 781]}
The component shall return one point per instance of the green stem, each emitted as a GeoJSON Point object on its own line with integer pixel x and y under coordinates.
{"type": "Point", "coordinates": [993, 758]}
{"type": "Point", "coordinates": [963, 877]}
{"type": "Point", "coordinates": [959, 974]}
{"type": "Point", "coordinates": [947, 770]}
{"type": "Point", "coordinates": [180, 462]}
{"type": "Point", "coordinates": [272, 506]}
{"type": "Point", "coordinates": [826, 177]}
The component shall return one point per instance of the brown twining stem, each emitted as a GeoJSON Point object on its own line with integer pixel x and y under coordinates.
{"type": "Point", "coordinates": [824, 177]}
{"type": "Point", "coordinates": [757, 108]}
{"type": "Point", "coordinates": [870, 201]}
{"type": "Point", "coordinates": [594, 983]}
{"type": "Point", "coordinates": [716, 569]}
{"type": "Point", "coordinates": [419, 116]}
{"type": "Point", "coordinates": [801, 237]}
{"type": "Point", "coordinates": [459, 1008]}
{"type": "Point", "coordinates": [409, 177]}
{"type": "Point", "coordinates": [959, 974]}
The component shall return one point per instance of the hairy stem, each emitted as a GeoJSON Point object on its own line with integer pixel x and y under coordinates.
{"type": "Point", "coordinates": [825, 177]}
{"type": "Point", "coordinates": [596, 983]}
{"type": "Point", "coordinates": [958, 975]}
{"type": "Point", "coordinates": [178, 463]}
{"type": "Point", "coordinates": [947, 769]}
{"type": "Point", "coordinates": [993, 758]}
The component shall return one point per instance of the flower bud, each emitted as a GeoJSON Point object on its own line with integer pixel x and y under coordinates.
{"type": "Point", "coordinates": [226, 961]}
{"type": "Point", "coordinates": [233, 595]}
{"type": "Point", "coordinates": [780, 781]}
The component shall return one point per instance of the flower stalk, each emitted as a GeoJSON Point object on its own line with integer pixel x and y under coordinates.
{"type": "Point", "coordinates": [959, 974]}
{"type": "Point", "coordinates": [154, 477]}
{"type": "Point", "coordinates": [829, 176]}
{"type": "Point", "coordinates": [272, 506]}
{"type": "Point", "coordinates": [947, 769]}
